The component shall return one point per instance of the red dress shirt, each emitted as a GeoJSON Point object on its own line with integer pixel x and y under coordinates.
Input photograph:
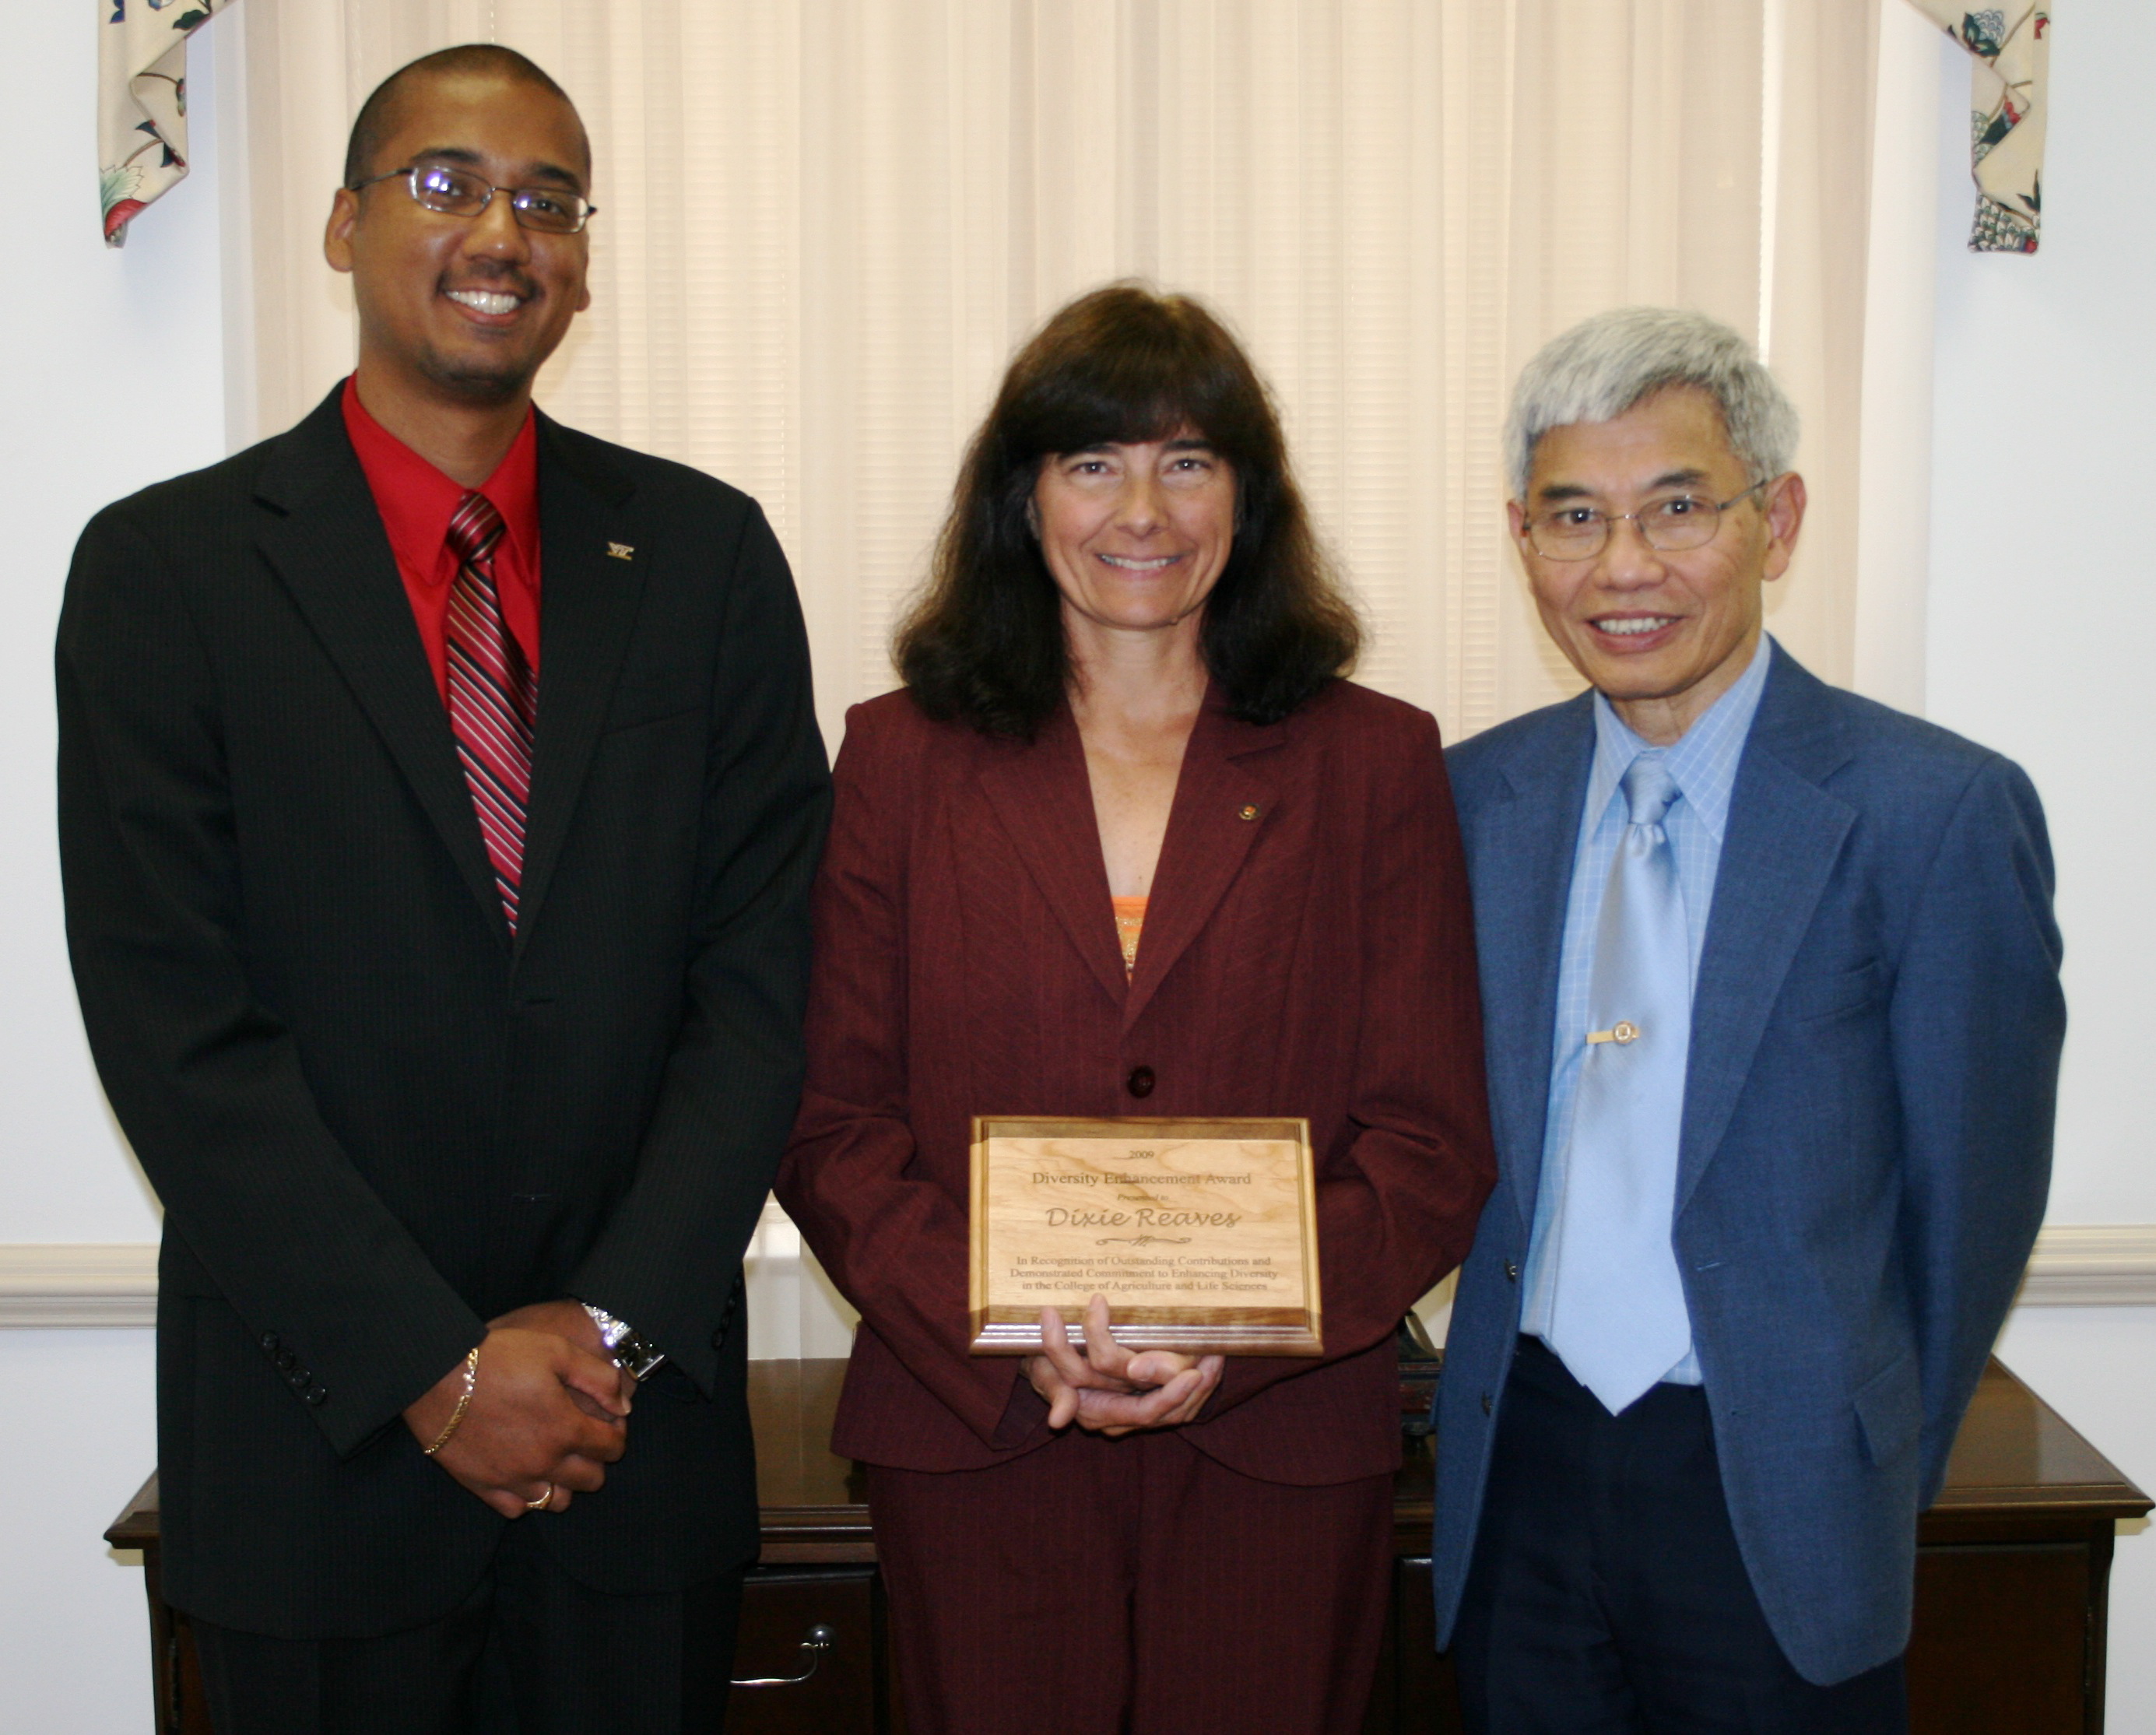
{"type": "Point", "coordinates": [416, 501]}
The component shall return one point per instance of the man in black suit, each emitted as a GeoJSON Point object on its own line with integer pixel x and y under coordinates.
{"type": "Point", "coordinates": [443, 956]}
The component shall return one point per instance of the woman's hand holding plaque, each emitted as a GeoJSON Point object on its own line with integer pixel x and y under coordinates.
{"type": "Point", "coordinates": [1108, 1390]}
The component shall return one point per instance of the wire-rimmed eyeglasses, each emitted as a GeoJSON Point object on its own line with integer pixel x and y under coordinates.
{"type": "Point", "coordinates": [458, 192]}
{"type": "Point", "coordinates": [1670, 525]}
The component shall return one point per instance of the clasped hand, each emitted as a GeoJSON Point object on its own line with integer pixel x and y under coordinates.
{"type": "Point", "coordinates": [549, 1411]}
{"type": "Point", "coordinates": [1110, 1389]}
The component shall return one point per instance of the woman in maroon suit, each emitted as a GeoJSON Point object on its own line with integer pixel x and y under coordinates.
{"type": "Point", "coordinates": [1127, 844]}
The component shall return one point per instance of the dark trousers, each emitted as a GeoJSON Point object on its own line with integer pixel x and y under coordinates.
{"type": "Point", "coordinates": [531, 1652]}
{"type": "Point", "coordinates": [1607, 1596]}
{"type": "Point", "coordinates": [1132, 1587]}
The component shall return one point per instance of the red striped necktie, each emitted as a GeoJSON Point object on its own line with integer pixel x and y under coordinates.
{"type": "Point", "coordinates": [494, 696]}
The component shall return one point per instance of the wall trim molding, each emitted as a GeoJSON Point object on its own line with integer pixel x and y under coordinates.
{"type": "Point", "coordinates": [78, 1283]}
{"type": "Point", "coordinates": [48, 1283]}
{"type": "Point", "coordinates": [2091, 1264]}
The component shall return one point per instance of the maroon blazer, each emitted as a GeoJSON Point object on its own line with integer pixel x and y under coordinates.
{"type": "Point", "coordinates": [1307, 950]}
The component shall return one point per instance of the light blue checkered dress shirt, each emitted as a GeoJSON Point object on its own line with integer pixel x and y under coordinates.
{"type": "Point", "coordinates": [1704, 763]}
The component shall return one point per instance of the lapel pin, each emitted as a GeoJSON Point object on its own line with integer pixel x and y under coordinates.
{"type": "Point", "coordinates": [620, 551]}
{"type": "Point", "coordinates": [1249, 811]}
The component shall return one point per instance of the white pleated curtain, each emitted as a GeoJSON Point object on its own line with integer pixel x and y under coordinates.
{"type": "Point", "coordinates": [825, 225]}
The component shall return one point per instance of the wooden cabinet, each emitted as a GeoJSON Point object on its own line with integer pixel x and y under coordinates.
{"type": "Point", "coordinates": [2012, 1569]}
{"type": "Point", "coordinates": [2013, 1565]}
{"type": "Point", "coordinates": [2013, 1572]}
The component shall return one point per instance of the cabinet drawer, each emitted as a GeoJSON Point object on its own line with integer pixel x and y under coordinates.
{"type": "Point", "coordinates": [778, 1610]}
{"type": "Point", "coordinates": [2002, 1637]}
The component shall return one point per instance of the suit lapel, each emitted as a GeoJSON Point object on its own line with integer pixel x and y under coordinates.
{"type": "Point", "coordinates": [1785, 834]}
{"type": "Point", "coordinates": [1523, 846]}
{"type": "Point", "coordinates": [1221, 806]}
{"type": "Point", "coordinates": [328, 545]}
{"type": "Point", "coordinates": [588, 605]}
{"type": "Point", "coordinates": [1045, 801]}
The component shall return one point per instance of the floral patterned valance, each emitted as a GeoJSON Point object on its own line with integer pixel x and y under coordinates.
{"type": "Point", "coordinates": [142, 102]}
{"type": "Point", "coordinates": [2010, 77]}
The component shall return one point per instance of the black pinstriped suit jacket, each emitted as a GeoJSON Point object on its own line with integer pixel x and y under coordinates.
{"type": "Point", "coordinates": [374, 1120]}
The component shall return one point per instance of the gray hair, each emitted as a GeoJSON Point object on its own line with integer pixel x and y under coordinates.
{"type": "Point", "coordinates": [1605, 364]}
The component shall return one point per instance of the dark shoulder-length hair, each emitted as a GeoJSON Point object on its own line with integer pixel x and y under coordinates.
{"type": "Point", "coordinates": [984, 644]}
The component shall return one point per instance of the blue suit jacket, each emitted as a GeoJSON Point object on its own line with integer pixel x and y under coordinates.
{"type": "Point", "coordinates": [1868, 1127]}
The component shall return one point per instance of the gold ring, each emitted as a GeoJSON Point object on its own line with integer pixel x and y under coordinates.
{"type": "Point", "coordinates": [542, 1502]}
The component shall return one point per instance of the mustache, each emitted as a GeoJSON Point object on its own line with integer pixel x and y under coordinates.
{"type": "Point", "coordinates": [481, 274]}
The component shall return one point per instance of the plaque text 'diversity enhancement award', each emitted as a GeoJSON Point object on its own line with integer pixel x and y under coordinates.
{"type": "Point", "coordinates": [1203, 1234]}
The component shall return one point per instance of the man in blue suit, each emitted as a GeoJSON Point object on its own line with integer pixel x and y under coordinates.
{"type": "Point", "coordinates": [1770, 986]}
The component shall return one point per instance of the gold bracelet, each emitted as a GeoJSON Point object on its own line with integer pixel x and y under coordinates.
{"type": "Point", "coordinates": [471, 1385]}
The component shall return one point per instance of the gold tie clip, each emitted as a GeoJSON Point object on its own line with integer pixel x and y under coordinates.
{"type": "Point", "coordinates": [1623, 1031]}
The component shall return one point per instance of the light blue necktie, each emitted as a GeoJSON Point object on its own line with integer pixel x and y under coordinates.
{"type": "Point", "coordinates": [1618, 1316]}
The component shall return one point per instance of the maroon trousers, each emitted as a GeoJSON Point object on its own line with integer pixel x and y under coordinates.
{"type": "Point", "coordinates": [1099, 1586]}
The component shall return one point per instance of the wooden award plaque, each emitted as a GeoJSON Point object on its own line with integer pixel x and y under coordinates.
{"type": "Point", "coordinates": [1203, 1234]}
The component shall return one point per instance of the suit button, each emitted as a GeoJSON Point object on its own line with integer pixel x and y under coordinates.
{"type": "Point", "coordinates": [269, 1343]}
{"type": "Point", "coordinates": [1140, 1083]}
{"type": "Point", "coordinates": [316, 1397]}
{"type": "Point", "coordinates": [301, 1379]}
{"type": "Point", "coordinates": [1513, 1270]}
{"type": "Point", "coordinates": [286, 1361]}
{"type": "Point", "coordinates": [1487, 1405]}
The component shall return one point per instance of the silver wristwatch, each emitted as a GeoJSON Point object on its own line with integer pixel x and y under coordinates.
{"type": "Point", "coordinates": [629, 1351]}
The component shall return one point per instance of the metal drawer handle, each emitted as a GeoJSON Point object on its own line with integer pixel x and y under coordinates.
{"type": "Point", "coordinates": [821, 1638]}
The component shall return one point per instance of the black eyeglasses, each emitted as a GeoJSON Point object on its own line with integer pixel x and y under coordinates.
{"type": "Point", "coordinates": [1670, 525]}
{"type": "Point", "coordinates": [458, 192]}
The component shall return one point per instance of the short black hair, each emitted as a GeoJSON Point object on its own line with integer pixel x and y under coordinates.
{"type": "Point", "coordinates": [372, 126]}
{"type": "Point", "coordinates": [984, 644]}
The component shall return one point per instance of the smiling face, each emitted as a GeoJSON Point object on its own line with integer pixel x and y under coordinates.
{"type": "Point", "coordinates": [463, 309]}
{"type": "Point", "coordinates": [1135, 537]}
{"type": "Point", "coordinates": [1662, 634]}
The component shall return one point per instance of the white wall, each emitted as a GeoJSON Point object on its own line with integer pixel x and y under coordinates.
{"type": "Point", "coordinates": [111, 374]}
{"type": "Point", "coordinates": [2040, 622]}
{"type": "Point", "coordinates": [2042, 599]}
